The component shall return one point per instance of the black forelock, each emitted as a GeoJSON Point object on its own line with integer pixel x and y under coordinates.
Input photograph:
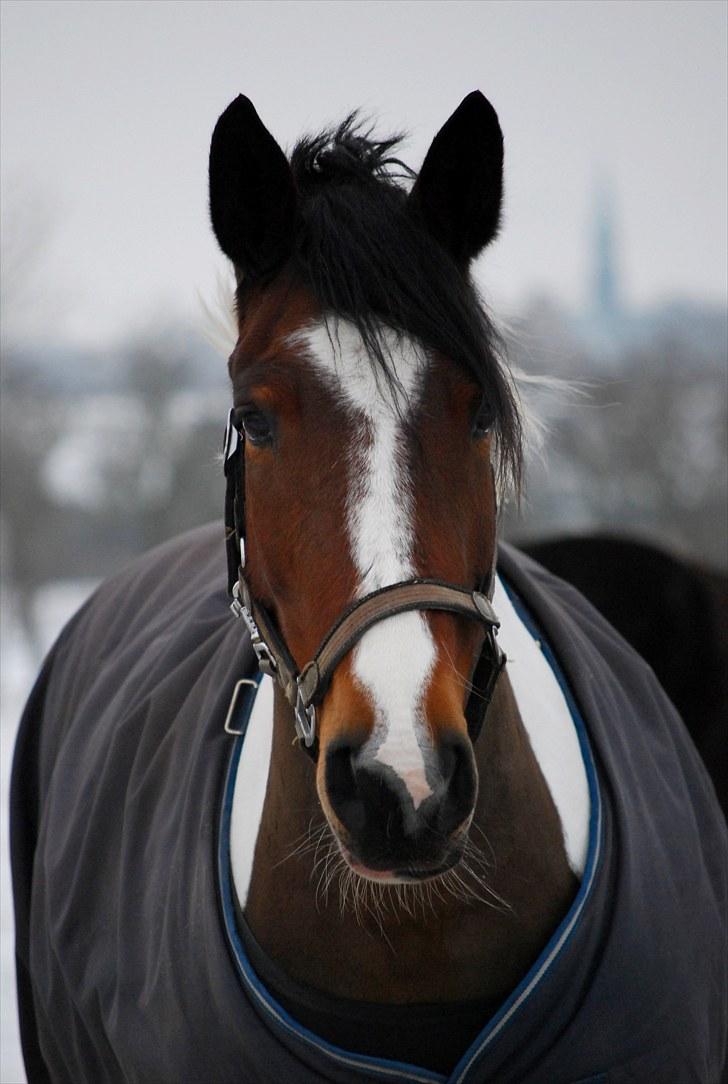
{"type": "Point", "coordinates": [348, 151]}
{"type": "Point", "coordinates": [366, 257]}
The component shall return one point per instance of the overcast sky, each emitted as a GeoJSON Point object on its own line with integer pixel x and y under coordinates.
{"type": "Point", "coordinates": [107, 111]}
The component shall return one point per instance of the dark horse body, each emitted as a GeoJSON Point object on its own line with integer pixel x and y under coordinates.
{"type": "Point", "coordinates": [496, 863]}
{"type": "Point", "coordinates": [673, 612]}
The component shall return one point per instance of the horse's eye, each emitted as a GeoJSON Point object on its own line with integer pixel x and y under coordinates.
{"type": "Point", "coordinates": [483, 421]}
{"type": "Point", "coordinates": [256, 427]}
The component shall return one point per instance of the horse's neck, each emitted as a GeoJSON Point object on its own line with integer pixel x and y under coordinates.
{"type": "Point", "coordinates": [406, 946]}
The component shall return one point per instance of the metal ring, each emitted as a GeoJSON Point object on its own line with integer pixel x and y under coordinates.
{"type": "Point", "coordinates": [229, 729]}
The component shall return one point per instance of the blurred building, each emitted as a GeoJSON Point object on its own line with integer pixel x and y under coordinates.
{"type": "Point", "coordinates": [610, 330]}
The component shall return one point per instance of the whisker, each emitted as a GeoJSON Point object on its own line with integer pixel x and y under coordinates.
{"type": "Point", "coordinates": [472, 848]}
{"type": "Point", "coordinates": [307, 841]}
{"type": "Point", "coordinates": [462, 680]}
{"type": "Point", "coordinates": [376, 904]}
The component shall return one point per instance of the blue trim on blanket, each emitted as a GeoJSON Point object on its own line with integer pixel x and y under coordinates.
{"type": "Point", "coordinates": [394, 1070]}
{"type": "Point", "coordinates": [566, 928]}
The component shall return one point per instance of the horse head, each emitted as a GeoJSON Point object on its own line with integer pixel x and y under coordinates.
{"type": "Point", "coordinates": [377, 426]}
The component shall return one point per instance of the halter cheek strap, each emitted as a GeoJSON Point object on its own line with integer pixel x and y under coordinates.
{"type": "Point", "coordinates": [305, 689]}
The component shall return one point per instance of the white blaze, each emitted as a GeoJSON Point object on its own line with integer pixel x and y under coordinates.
{"type": "Point", "coordinates": [394, 659]}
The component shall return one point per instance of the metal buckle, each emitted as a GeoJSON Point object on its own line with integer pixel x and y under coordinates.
{"type": "Point", "coordinates": [236, 605]}
{"type": "Point", "coordinates": [229, 729]}
{"type": "Point", "coordinates": [266, 662]}
{"type": "Point", "coordinates": [305, 719]}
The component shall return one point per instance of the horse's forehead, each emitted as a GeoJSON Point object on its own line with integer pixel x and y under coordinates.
{"type": "Point", "coordinates": [337, 352]}
{"type": "Point", "coordinates": [285, 326]}
{"type": "Point", "coordinates": [270, 322]}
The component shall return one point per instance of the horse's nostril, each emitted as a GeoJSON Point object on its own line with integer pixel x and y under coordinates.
{"type": "Point", "coordinates": [361, 795]}
{"type": "Point", "coordinates": [457, 769]}
{"type": "Point", "coordinates": [341, 785]}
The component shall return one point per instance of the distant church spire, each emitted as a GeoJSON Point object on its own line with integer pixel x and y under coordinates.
{"type": "Point", "coordinates": [605, 286]}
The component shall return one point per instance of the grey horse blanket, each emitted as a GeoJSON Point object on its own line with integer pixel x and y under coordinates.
{"type": "Point", "coordinates": [127, 960]}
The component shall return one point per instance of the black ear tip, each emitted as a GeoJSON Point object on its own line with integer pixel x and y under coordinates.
{"type": "Point", "coordinates": [243, 105]}
{"type": "Point", "coordinates": [239, 113]}
{"type": "Point", "coordinates": [478, 109]}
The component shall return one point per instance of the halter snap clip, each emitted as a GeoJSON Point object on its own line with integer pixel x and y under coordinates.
{"type": "Point", "coordinates": [304, 719]}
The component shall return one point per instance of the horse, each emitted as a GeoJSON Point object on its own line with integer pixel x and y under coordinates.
{"type": "Point", "coordinates": [673, 611]}
{"type": "Point", "coordinates": [418, 813]}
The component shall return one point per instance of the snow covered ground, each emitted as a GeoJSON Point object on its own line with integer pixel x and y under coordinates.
{"type": "Point", "coordinates": [19, 662]}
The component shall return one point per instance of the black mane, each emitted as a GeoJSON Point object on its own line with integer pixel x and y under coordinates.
{"type": "Point", "coordinates": [346, 152]}
{"type": "Point", "coordinates": [366, 256]}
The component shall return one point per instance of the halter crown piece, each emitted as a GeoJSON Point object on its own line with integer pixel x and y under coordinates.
{"type": "Point", "coordinates": [304, 689]}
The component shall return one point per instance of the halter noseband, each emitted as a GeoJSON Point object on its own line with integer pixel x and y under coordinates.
{"type": "Point", "coordinates": [305, 689]}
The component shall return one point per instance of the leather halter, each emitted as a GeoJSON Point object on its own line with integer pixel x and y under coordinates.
{"type": "Point", "coordinates": [304, 689]}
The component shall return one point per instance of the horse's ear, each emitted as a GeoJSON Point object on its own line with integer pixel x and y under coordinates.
{"type": "Point", "coordinates": [459, 188]}
{"type": "Point", "coordinates": [252, 194]}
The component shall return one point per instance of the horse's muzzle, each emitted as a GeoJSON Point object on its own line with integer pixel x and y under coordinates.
{"type": "Point", "coordinates": [383, 829]}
